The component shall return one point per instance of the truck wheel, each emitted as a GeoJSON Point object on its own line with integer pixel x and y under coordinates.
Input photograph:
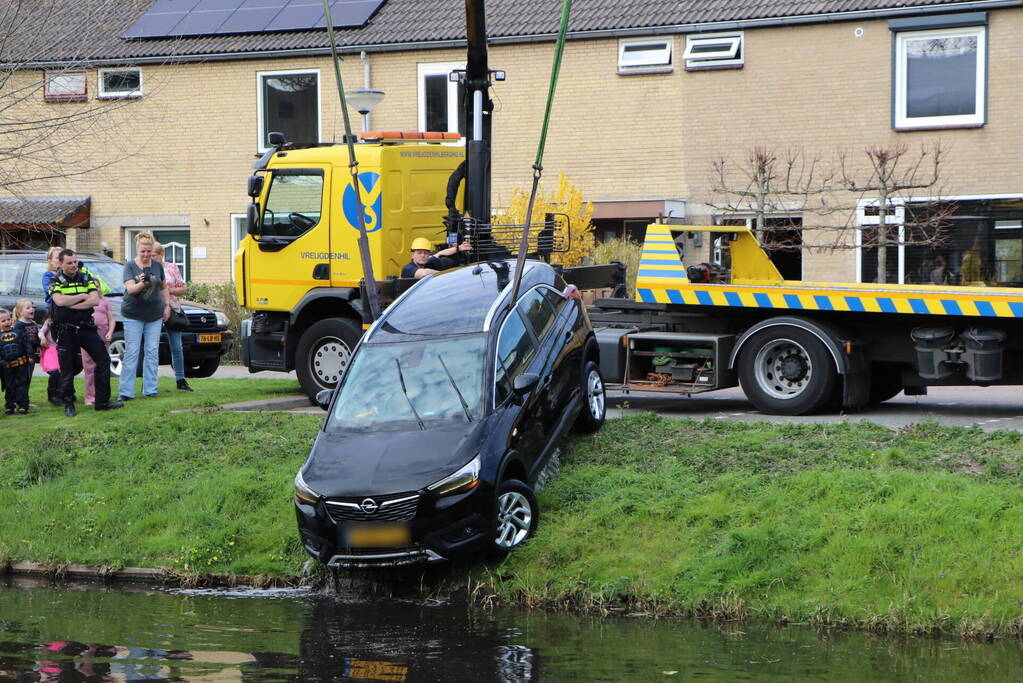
{"type": "Point", "coordinates": [204, 368]}
{"type": "Point", "coordinates": [323, 353]}
{"type": "Point", "coordinates": [787, 371]}
{"type": "Point", "coordinates": [594, 409]}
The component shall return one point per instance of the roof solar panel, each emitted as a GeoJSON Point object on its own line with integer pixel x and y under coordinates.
{"type": "Point", "coordinates": [351, 13]}
{"type": "Point", "coordinates": [160, 19]}
{"type": "Point", "coordinates": [201, 22]}
{"type": "Point", "coordinates": [298, 15]}
{"type": "Point", "coordinates": [250, 19]}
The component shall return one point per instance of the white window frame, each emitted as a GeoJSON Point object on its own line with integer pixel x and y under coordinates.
{"type": "Point", "coordinates": [657, 58]}
{"type": "Point", "coordinates": [902, 121]}
{"type": "Point", "coordinates": [261, 128]}
{"type": "Point", "coordinates": [438, 69]}
{"type": "Point", "coordinates": [56, 86]}
{"type": "Point", "coordinates": [238, 232]}
{"type": "Point", "coordinates": [105, 94]}
{"type": "Point", "coordinates": [731, 52]}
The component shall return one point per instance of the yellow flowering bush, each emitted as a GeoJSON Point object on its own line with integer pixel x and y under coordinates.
{"type": "Point", "coordinates": [567, 199]}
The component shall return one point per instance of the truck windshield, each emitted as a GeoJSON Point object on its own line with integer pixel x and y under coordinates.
{"type": "Point", "coordinates": [372, 397]}
{"type": "Point", "coordinates": [292, 205]}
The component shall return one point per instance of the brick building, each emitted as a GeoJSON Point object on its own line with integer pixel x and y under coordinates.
{"type": "Point", "coordinates": [651, 94]}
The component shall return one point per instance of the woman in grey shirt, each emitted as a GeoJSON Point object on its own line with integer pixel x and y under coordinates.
{"type": "Point", "coordinates": [144, 308]}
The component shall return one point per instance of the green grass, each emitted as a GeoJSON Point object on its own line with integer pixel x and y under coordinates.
{"type": "Point", "coordinates": [916, 530]}
{"type": "Point", "coordinates": [919, 530]}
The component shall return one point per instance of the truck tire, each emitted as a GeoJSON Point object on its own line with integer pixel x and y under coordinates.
{"type": "Point", "coordinates": [787, 371]}
{"type": "Point", "coordinates": [323, 353]}
{"type": "Point", "coordinates": [203, 368]}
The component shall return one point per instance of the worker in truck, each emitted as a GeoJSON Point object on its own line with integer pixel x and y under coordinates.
{"type": "Point", "coordinates": [424, 262]}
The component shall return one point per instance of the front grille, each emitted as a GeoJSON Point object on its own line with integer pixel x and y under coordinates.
{"type": "Point", "coordinates": [399, 508]}
{"type": "Point", "coordinates": [200, 322]}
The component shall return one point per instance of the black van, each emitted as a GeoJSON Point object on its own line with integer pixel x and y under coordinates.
{"type": "Point", "coordinates": [210, 337]}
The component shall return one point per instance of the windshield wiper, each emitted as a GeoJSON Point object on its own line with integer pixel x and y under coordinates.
{"type": "Point", "coordinates": [461, 399]}
{"type": "Point", "coordinates": [401, 377]}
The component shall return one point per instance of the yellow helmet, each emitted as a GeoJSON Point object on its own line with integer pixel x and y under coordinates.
{"type": "Point", "coordinates": [421, 243]}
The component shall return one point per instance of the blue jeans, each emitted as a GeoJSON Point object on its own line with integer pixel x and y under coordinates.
{"type": "Point", "coordinates": [177, 355]}
{"type": "Point", "coordinates": [138, 334]}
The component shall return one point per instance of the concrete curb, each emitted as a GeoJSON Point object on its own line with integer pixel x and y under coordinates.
{"type": "Point", "coordinates": [162, 576]}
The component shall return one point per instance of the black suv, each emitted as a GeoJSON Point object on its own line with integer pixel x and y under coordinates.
{"type": "Point", "coordinates": [450, 409]}
{"type": "Point", "coordinates": [21, 277]}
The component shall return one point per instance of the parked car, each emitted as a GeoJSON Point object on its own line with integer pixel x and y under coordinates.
{"type": "Point", "coordinates": [452, 405]}
{"type": "Point", "coordinates": [21, 276]}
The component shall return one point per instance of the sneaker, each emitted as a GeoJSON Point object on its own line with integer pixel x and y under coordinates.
{"type": "Point", "coordinates": [109, 405]}
{"type": "Point", "coordinates": [69, 410]}
{"type": "Point", "coordinates": [122, 398]}
{"type": "Point", "coordinates": [149, 395]}
{"type": "Point", "coordinates": [22, 411]}
{"type": "Point", "coordinates": [183, 386]}
{"type": "Point", "coordinates": [9, 411]}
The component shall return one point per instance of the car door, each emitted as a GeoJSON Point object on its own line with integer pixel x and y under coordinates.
{"type": "Point", "coordinates": [517, 354]}
{"type": "Point", "coordinates": [545, 325]}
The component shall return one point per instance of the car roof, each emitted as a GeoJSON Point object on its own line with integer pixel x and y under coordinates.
{"type": "Point", "coordinates": [39, 253]}
{"type": "Point", "coordinates": [457, 301]}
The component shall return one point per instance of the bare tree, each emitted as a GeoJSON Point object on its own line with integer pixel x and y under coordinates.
{"type": "Point", "coordinates": [42, 130]}
{"type": "Point", "coordinates": [769, 186]}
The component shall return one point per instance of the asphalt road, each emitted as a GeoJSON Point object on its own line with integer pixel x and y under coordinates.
{"type": "Point", "coordinates": [989, 408]}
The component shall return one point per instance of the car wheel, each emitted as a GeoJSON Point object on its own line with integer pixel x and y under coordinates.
{"type": "Point", "coordinates": [204, 368]}
{"type": "Point", "coordinates": [787, 371]}
{"type": "Point", "coordinates": [323, 353]}
{"type": "Point", "coordinates": [116, 352]}
{"type": "Point", "coordinates": [594, 409]}
{"type": "Point", "coordinates": [516, 516]}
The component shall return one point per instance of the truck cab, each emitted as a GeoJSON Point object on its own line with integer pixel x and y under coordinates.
{"type": "Point", "coordinates": [298, 269]}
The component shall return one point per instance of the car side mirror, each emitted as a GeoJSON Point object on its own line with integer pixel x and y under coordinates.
{"type": "Point", "coordinates": [525, 383]}
{"type": "Point", "coordinates": [252, 219]}
{"type": "Point", "coordinates": [255, 185]}
{"type": "Point", "coordinates": [323, 398]}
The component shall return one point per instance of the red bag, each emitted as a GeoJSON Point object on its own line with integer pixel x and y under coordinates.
{"type": "Point", "coordinates": [48, 359]}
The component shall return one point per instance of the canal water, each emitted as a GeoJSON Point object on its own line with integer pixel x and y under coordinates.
{"type": "Point", "coordinates": [79, 632]}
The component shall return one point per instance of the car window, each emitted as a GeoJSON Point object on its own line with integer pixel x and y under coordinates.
{"type": "Point", "coordinates": [34, 278]}
{"type": "Point", "coordinates": [293, 204]}
{"type": "Point", "coordinates": [10, 277]}
{"type": "Point", "coordinates": [110, 274]}
{"type": "Point", "coordinates": [554, 298]}
{"type": "Point", "coordinates": [389, 385]}
{"type": "Point", "coordinates": [514, 351]}
{"type": "Point", "coordinates": [538, 311]}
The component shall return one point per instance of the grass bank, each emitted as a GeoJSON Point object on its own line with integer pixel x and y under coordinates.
{"type": "Point", "coordinates": [915, 530]}
{"type": "Point", "coordinates": [919, 530]}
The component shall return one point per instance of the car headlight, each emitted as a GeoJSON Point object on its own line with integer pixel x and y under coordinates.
{"type": "Point", "coordinates": [222, 320]}
{"type": "Point", "coordinates": [304, 494]}
{"type": "Point", "coordinates": [465, 479]}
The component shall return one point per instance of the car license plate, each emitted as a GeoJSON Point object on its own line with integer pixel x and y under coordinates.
{"type": "Point", "coordinates": [209, 338]}
{"type": "Point", "coordinates": [378, 535]}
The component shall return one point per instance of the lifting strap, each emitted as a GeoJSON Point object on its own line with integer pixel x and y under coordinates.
{"type": "Point", "coordinates": [353, 166]}
{"type": "Point", "coordinates": [559, 50]}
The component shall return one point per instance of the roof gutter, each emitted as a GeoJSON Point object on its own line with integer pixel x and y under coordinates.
{"type": "Point", "coordinates": [823, 18]}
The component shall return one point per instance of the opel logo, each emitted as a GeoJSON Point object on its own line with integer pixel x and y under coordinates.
{"type": "Point", "coordinates": [369, 506]}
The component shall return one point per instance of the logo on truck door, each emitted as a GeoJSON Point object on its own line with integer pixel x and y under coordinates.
{"type": "Point", "coordinates": [369, 187]}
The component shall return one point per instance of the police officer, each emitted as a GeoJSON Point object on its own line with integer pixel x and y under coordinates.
{"type": "Point", "coordinates": [74, 295]}
{"type": "Point", "coordinates": [424, 262]}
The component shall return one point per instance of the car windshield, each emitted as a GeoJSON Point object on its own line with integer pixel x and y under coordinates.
{"type": "Point", "coordinates": [412, 385]}
{"type": "Point", "coordinates": [110, 273]}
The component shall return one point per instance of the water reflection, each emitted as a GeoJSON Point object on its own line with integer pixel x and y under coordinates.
{"type": "Point", "coordinates": [73, 633]}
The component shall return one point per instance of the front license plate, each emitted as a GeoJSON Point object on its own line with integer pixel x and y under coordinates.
{"type": "Point", "coordinates": [209, 338]}
{"type": "Point", "coordinates": [378, 536]}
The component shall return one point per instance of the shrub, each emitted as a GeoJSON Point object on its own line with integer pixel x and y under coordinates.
{"type": "Point", "coordinates": [567, 199]}
{"type": "Point", "coordinates": [221, 297]}
{"type": "Point", "coordinates": [624, 250]}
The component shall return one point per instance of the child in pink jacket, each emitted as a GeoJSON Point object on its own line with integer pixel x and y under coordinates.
{"type": "Point", "coordinates": [104, 319]}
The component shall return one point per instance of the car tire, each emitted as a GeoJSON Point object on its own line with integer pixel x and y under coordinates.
{"type": "Point", "coordinates": [323, 353]}
{"type": "Point", "coordinates": [203, 368]}
{"type": "Point", "coordinates": [787, 371]}
{"type": "Point", "coordinates": [116, 352]}
{"type": "Point", "coordinates": [516, 515]}
{"type": "Point", "coordinates": [594, 396]}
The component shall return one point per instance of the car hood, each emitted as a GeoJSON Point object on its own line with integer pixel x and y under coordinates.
{"type": "Point", "coordinates": [377, 463]}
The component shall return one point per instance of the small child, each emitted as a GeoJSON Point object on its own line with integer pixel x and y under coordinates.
{"type": "Point", "coordinates": [25, 322]}
{"type": "Point", "coordinates": [15, 355]}
{"type": "Point", "coordinates": [103, 317]}
{"type": "Point", "coordinates": [50, 363]}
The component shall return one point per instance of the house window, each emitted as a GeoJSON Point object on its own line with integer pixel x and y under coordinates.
{"type": "Point", "coordinates": [645, 55]}
{"type": "Point", "coordinates": [289, 103]}
{"type": "Point", "coordinates": [239, 229]}
{"type": "Point", "coordinates": [940, 77]}
{"type": "Point", "coordinates": [440, 98]}
{"type": "Point", "coordinates": [714, 51]}
{"type": "Point", "coordinates": [64, 86]}
{"type": "Point", "coordinates": [177, 244]}
{"type": "Point", "coordinates": [114, 83]}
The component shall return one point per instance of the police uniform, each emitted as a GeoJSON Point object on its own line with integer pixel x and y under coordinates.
{"type": "Point", "coordinates": [74, 331]}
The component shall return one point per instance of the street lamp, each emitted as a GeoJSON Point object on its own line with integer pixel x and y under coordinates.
{"type": "Point", "coordinates": [364, 101]}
